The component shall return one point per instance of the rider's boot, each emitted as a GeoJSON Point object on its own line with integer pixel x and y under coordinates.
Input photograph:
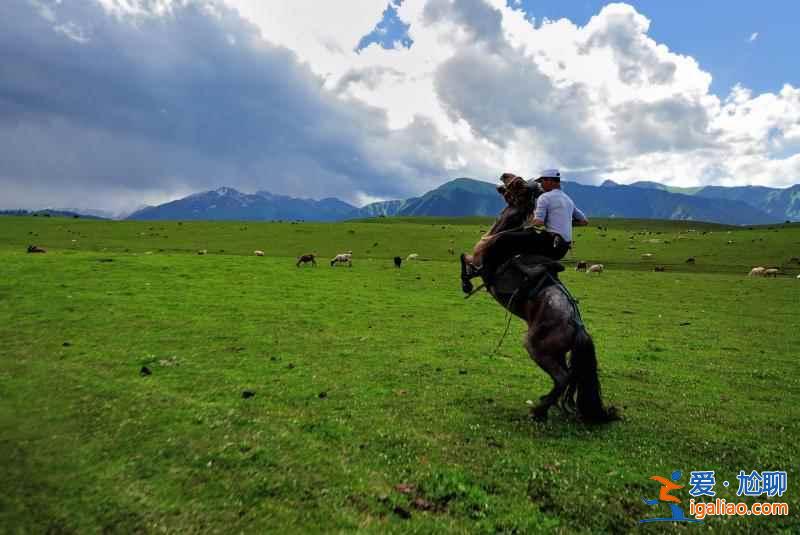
{"type": "Point", "coordinates": [467, 272]}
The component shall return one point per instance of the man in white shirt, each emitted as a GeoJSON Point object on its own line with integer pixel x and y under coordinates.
{"type": "Point", "coordinates": [555, 211]}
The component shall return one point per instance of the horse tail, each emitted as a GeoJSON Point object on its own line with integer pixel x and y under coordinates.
{"type": "Point", "coordinates": [584, 369]}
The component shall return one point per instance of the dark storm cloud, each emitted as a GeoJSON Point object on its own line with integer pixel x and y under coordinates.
{"type": "Point", "coordinates": [104, 106]}
{"type": "Point", "coordinates": [501, 95]}
{"type": "Point", "coordinates": [673, 124]}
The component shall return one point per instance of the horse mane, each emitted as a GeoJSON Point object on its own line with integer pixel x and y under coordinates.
{"type": "Point", "coordinates": [520, 203]}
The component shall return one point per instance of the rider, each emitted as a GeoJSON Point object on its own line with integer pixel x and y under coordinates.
{"type": "Point", "coordinates": [555, 211]}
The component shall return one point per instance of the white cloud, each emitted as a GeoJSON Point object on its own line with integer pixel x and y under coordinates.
{"type": "Point", "coordinates": [186, 96]}
{"type": "Point", "coordinates": [753, 37]}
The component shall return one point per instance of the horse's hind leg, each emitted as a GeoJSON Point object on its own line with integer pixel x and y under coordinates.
{"type": "Point", "coordinates": [567, 402]}
{"type": "Point", "coordinates": [555, 365]}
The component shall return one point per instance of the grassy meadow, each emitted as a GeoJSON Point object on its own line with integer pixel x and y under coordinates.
{"type": "Point", "coordinates": [380, 404]}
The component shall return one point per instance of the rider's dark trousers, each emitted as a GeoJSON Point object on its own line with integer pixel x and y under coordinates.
{"type": "Point", "coordinates": [528, 241]}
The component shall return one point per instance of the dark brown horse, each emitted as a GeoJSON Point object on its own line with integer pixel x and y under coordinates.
{"type": "Point", "coordinates": [520, 200]}
{"type": "Point", "coordinates": [528, 287]}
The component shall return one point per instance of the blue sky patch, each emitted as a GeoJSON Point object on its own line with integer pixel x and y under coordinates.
{"type": "Point", "coordinates": [751, 43]}
{"type": "Point", "coordinates": [389, 32]}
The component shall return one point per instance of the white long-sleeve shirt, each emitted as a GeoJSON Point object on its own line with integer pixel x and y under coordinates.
{"type": "Point", "coordinates": [557, 211]}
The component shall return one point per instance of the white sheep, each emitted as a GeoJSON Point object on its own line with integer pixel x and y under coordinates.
{"type": "Point", "coordinates": [771, 272]}
{"type": "Point", "coordinates": [412, 256]}
{"type": "Point", "coordinates": [343, 258]}
{"type": "Point", "coordinates": [258, 253]}
{"type": "Point", "coordinates": [757, 272]}
{"type": "Point", "coordinates": [596, 268]}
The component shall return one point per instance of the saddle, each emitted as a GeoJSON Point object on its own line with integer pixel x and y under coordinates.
{"type": "Point", "coordinates": [525, 273]}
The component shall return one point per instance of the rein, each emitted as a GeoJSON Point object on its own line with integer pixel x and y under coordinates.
{"type": "Point", "coordinates": [575, 319]}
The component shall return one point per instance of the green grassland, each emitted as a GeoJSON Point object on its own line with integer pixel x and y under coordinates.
{"type": "Point", "coordinates": [380, 404]}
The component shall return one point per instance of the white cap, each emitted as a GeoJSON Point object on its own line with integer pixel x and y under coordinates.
{"type": "Point", "coordinates": [550, 173]}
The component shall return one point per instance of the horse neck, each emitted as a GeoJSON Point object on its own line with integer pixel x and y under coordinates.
{"type": "Point", "coordinates": [510, 217]}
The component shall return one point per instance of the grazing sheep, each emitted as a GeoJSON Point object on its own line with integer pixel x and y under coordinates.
{"type": "Point", "coordinates": [690, 260]}
{"type": "Point", "coordinates": [35, 249]}
{"type": "Point", "coordinates": [798, 276]}
{"type": "Point", "coordinates": [659, 269]}
{"type": "Point", "coordinates": [581, 266]}
{"type": "Point", "coordinates": [202, 251]}
{"type": "Point", "coordinates": [258, 253]}
{"type": "Point", "coordinates": [306, 258]}
{"type": "Point", "coordinates": [596, 268]}
{"type": "Point", "coordinates": [757, 272]}
{"type": "Point", "coordinates": [397, 261]}
{"type": "Point", "coordinates": [771, 272]}
{"type": "Point", "coordinates": [412, 256]}
{"type": "Point", "coordinates": [343, 258]}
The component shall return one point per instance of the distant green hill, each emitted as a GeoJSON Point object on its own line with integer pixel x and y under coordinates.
{"type": "Point", "coordinates": [780, 204]}
{"type": "Point", "coordinates": [664, 187]}
{"type": "Point", "coordinates": [229, 204]}
{"type": "Point", "coordinates": [612, 200]}
{"type": "Point", "coordinates": [459, 197]}
{"type": "Point", "coordinates": [469, 197]}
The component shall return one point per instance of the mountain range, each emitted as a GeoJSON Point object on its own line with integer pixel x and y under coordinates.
{"type": "Point", "coordinates": [746, 205]}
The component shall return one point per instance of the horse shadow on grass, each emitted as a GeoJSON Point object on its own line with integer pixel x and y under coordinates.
{"type": "Point", "coordinates": [515, 417]}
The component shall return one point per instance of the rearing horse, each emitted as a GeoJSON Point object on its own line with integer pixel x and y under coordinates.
{"type": "Point", "coordinates": [555, 327]}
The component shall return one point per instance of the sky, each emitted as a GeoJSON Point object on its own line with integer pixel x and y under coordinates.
{"type": "Point", "coordinates": [113, 104]}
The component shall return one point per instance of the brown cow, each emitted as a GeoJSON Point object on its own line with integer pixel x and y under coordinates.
{"type": "Point", "coordinates": [306, 258]}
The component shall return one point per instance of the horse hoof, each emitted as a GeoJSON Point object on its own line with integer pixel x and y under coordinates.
{"type": "Point", "coordinates": [466, 286]}
{"type": "Point", "coordinates": [539, 414]}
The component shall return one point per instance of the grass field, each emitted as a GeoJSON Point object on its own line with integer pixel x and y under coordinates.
{"type": "Point", "coordinates": [379, 404]}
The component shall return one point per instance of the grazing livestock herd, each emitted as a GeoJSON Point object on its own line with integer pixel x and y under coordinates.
{"type": "Point", "coordinates": [763, 272]}
{"type": "Point", "coordinates": [346, 258]}
{"type": "Point", "coordinates": [584, 266]}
